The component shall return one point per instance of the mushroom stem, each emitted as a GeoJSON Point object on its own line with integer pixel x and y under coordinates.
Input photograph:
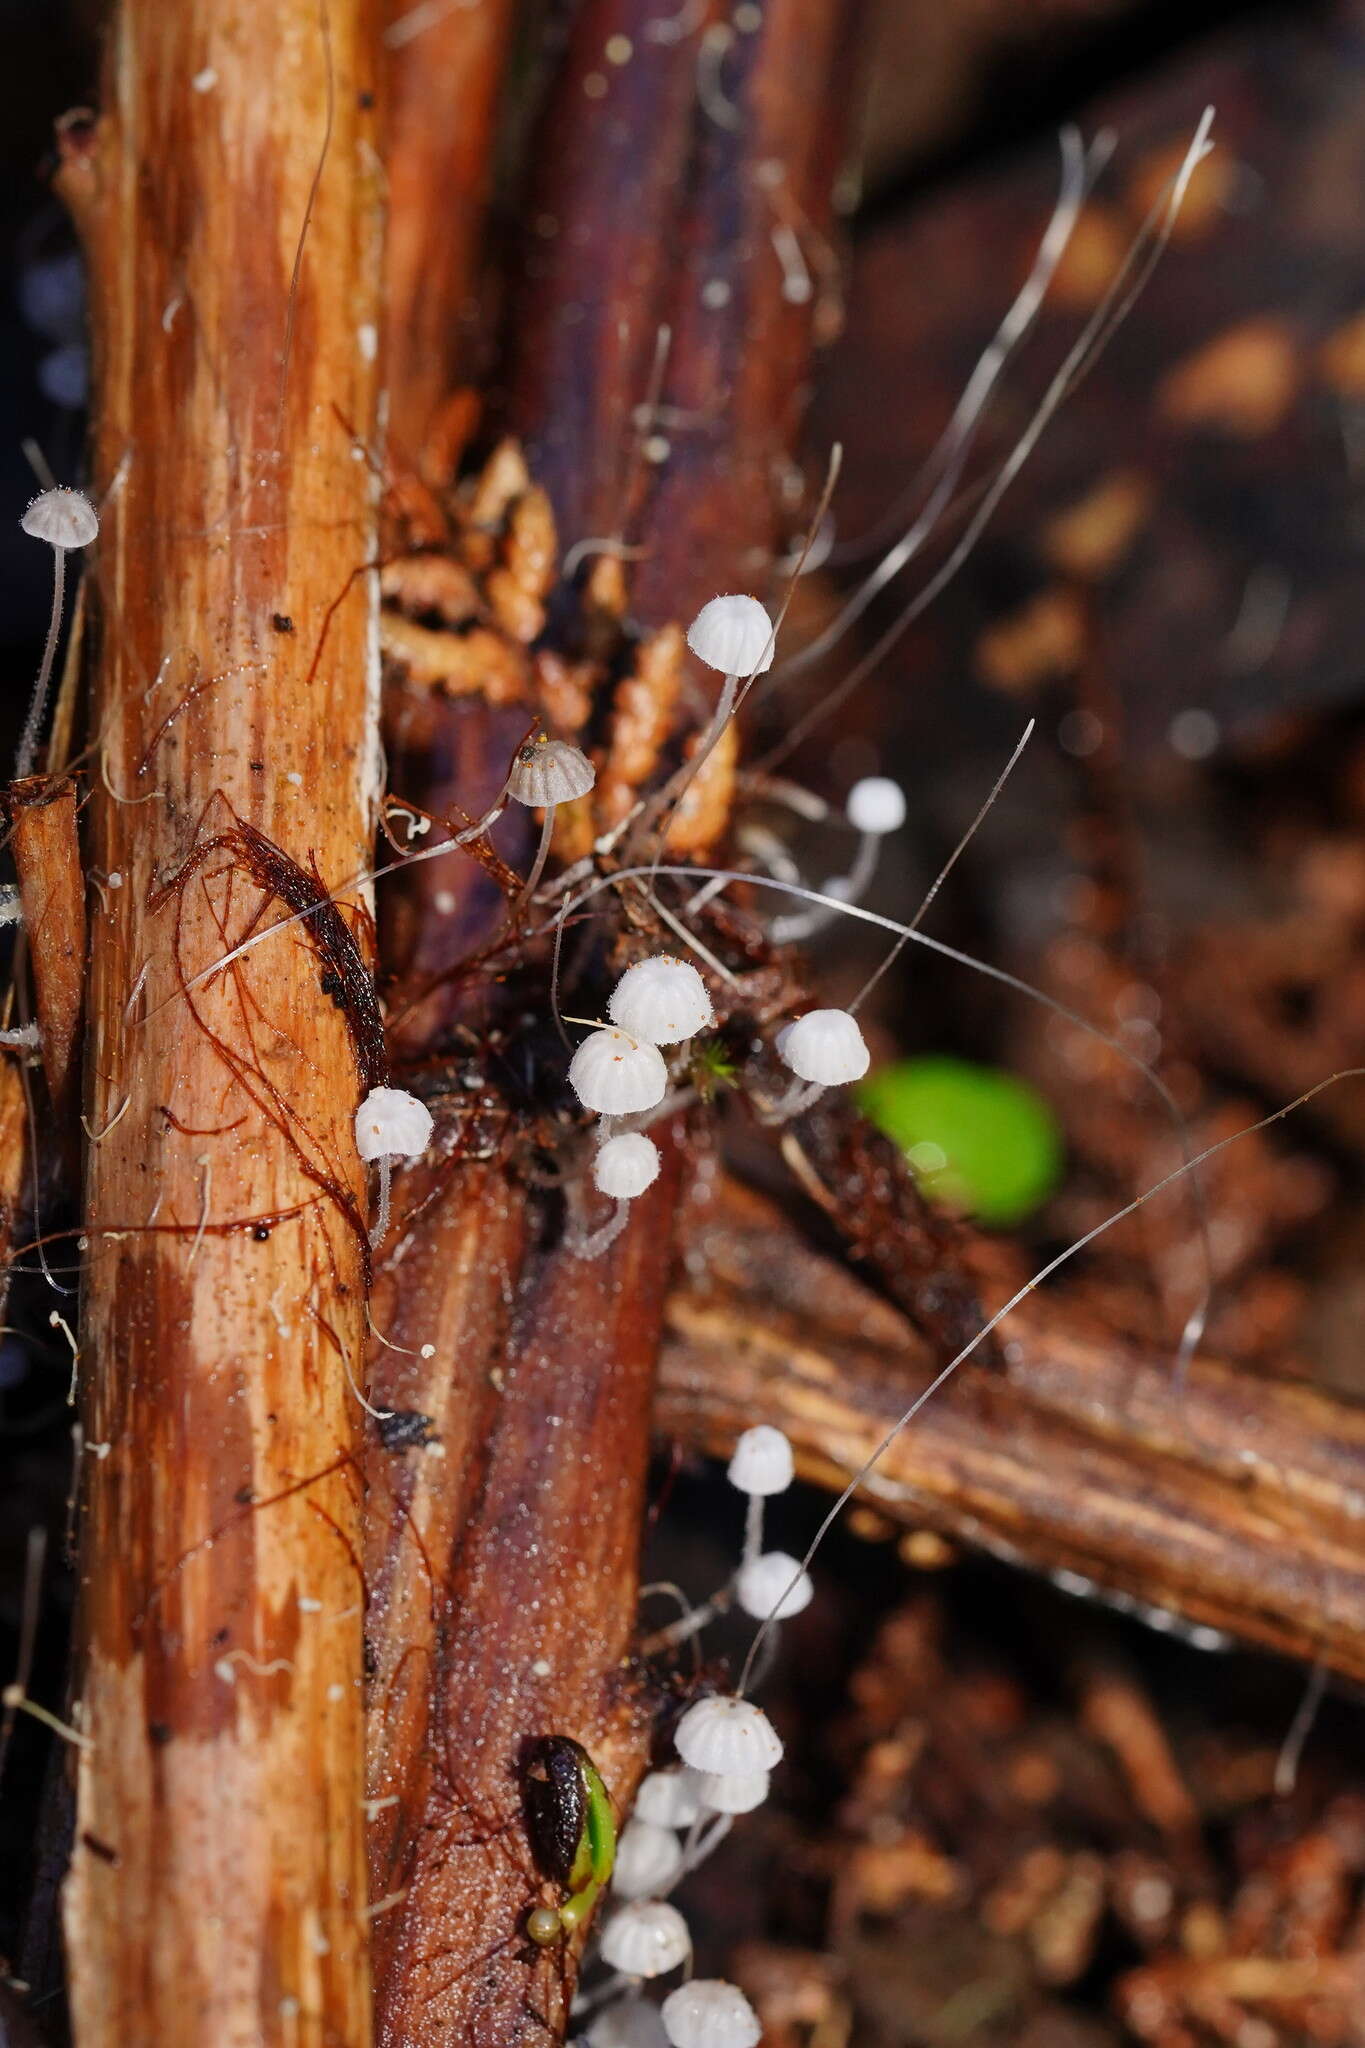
{"type": "Point", "coordinates": [850, 888]}
{"type": "Point", "coordinates": [795, 1100]}
{"type": "Point", "coordinates": [597, 1241]}
{"type": "Point", "coordinates": [28, 744]}
{"type": "Point", "coordinates": [702, 1842]}
{"type": "Point", "coordinates": [753, 1528]}
{"type": "Point", "coordinates": [527, 889]}
{"type": "Point", "coordinates": [379, 1229]}
{"type": "Point", "coordinates": [675, 789]}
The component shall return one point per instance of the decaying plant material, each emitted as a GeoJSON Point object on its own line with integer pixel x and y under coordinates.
{"type": "Point", "coordinates": [362, 1486]}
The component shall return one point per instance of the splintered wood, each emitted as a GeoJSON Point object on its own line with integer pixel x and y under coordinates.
{"type": "Point", "coordinates": [226, 196]}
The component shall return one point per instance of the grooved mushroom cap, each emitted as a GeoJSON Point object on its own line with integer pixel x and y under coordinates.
{"type": "Point", "coordinates": [773, 1584]}
{"type": "Point", "coordinates": [645, 1939]}
{"type": "Point", "coordinates": [824, 1046]}
{"type": "Point", "coordinates": [734, 635]}
{"type": "Point", "coordinates": [663, 1000]}
{"type": "Point", "coordinates": [550, 772]}
{"type": "Point", "coordinates": [616, 1076]}
{"type": "Point", "coordinates": [876, 805]}
{"type": "Point", "coordinates": [669, 1798]}
{"type": "Point", "coordinates": [391, 1124]}
{"type": "Point", "coordinates": [626, 1165]}
{"type": "Point", "coordinates": [628, 2023]}
{"type": "Point", "coordinates": [63, 518]}
{"type": "Point", "coordinates": [762, 1461]}
{"type": "Point", "coordinates": [648, 1858]}
{"type": "Point", "coordinates": [733, 1791]}
{"type": "Point", "coordinates": [708, 2013]}
{"type": "Point", "coordinates": [723, 1735]}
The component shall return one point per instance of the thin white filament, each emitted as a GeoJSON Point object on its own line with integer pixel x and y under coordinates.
{"type": "Point", "coordinates": [1142, 258]}
{"type": "Point", "coordinates": [949, 456]}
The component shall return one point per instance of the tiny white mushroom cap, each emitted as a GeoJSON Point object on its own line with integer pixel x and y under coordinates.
{"type": "Point", "coordinates": [723, 1735]}
{"type": "Point", "coordinates": [390, 1124]}
{"type": "Point", "coordinates": [550, 772]}
{"type": "Point", "coordinates": [762, 1461]}
{"type": "Point", "coordinates": [669, 1798]}
{"type": "Point", "coordinates": [733, 1791]}
{"type": "Point", "coordinates": [646, 1939]}
{"type": "Point", "coordinates": [626, 1165]}
{"type": "Point", "coordinates": [708, 2013]}
{"type": "Point", "coordinates": [876, 805]}
{"type": "Point", "coordinates": [63, 518]}
{"type": "Point", "coordinates": [648, 1858]}
{"type": "Point", "coordinates": [663, 1000]}
{"type": "Point", "coordinates": [824, 1046]}
{"type": "Point", "coordinates": [628, 2023]}
{"type": "Point", "coordinates": [773, 1584]}
{"type": "Point", "coordinates": [615, 1075]}
{"type": "Point", "coordinates": [734, 635]}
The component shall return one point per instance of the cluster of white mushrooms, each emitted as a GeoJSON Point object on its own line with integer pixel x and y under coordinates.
{"type": "Point", "coordinates": [619, 1072]}
{"type": "Point", "coordinates": [728, 1748]}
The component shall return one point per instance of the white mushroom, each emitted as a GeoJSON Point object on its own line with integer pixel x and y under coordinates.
{"type": "Point", "coordinates": [762, 1462]}
{"type": "Point", "coordinates": [708, 2013]}
{"type": "Point", "coordinates": [626, 1165]}
{"type": "Point", "coordinates": [648, 1859]}
{"type": "Point", "coordinates": [876, 806]}
{"type": "Point", "coordinates": [824, 1047]}
{"type": "Point", "coordinates": [772, 1586]}
{"type": "Point", "coordinates": [733, 1791]}
{"type": "Point", "coordinates": [646, 1939]}
{"type": "Point", "coordinates": [65, 520]}
{"type": "Point", "coordinates": [546, 773]}
{"type": "Point", "coordinates": [724, 1735]}
{"type": "Point", "coordinates": [733, 634]}
{"type": "Point", "coordinates": [669, 1799]}
{"type": "Point", "coordinates": [615, 1075]}
{"type": "Point", "coordinates": [663, 1000]}
{"type": "Point", "coordinates": [628, 2023]}
{"type": "Point", "coordinates": [390, 1124]}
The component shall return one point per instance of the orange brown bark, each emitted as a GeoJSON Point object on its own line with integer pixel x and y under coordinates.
{"type": "Point", "coordinates": [228, 201]}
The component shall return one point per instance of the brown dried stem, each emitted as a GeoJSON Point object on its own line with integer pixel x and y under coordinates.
{"type": "Point", "coordinates": [217, 1885]}
{"type": "Point", "coordinates": [47, 859]}
{"type": "Point", "coordinates": [506, 1574]}
{"type": "Point", "coordinates": [440, 170]}
{"type": "Point", "coordinates": [1233, 1503]}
